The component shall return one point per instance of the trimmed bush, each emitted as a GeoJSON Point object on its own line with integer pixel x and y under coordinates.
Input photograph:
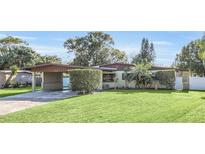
{"type": "Point", "coordinates": [85, 80]}
{"type": "Point", "coordinates": [166, 78]}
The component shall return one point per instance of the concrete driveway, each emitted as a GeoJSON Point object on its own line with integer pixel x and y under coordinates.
{"type": "Point", "coordinates": [22, 101]}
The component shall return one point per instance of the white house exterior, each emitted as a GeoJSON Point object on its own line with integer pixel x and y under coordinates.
{"type": "Point", "coordinates": [113, 75]}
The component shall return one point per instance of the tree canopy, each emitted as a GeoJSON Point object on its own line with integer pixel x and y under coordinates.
{"type": "Point", "coordinates": [48, 59]}
{"type": "Point", "coordinates": [191, 58]}
{"type": "Point", "coordinates": [94, 49]}
{"type": "Point", "coordinates": [146, 54]}
{"type": "Point", "coordinates": [15, 51]}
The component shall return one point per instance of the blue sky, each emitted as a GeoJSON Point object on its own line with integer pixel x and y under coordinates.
{"type": "Point", "coordinates": [167, 44]}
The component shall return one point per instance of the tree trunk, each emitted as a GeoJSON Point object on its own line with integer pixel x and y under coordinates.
{"type": "Point", "coordinates": [8, 81]}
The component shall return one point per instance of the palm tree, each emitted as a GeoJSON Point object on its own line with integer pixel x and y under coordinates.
{"type": "Point", "coordinates": [141, 76]}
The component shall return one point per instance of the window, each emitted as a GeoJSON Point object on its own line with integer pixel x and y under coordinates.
{"type": "Point", "coordinates": [108, 77]}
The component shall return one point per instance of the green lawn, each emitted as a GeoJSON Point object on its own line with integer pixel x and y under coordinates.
{"type": "Point", "coordinates": [14, 91]}
{"type": "Point", "coordinates": [119, 106]}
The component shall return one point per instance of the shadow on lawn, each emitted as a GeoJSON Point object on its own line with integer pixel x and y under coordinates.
{"type": "Point", "coordinates": [160, 91]}
{"type": "Point", "coordinates": [5, 95]}
{"type": "Point", "coordinates": [203, 97]}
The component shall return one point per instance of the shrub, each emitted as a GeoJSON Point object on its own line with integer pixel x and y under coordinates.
{"type": "Point", "coordinates": [17, 85]}
{"type": "Point", "coordinates": [85, 80]}
{"type": "Point", "coordinates": [166, 78]}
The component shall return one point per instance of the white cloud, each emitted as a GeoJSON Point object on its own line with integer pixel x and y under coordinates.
{"type": "Point", "coordinates": [162, 43]}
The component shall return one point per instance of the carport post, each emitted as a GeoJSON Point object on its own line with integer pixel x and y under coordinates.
{"type": "Point", "coordinates": [42, 80]}
{"type": "Point", "coordinates": [33, 81]}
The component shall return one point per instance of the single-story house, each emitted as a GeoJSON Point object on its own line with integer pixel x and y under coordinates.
{"type": "Point", "coordinates": [117, 70]}
{"type": "Point", "coordinates": [22, 76]}
{"type": "Point", "coordinates": [52, 74]}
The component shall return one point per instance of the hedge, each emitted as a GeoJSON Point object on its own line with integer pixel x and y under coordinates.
{"type": "Point", "coordinates": [85, 80]}
{"type": "Point", "coordinates": [166, 78]}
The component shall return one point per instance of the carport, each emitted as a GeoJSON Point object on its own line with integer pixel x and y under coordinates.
{"type": "Point", "coordinates": [52, 75]}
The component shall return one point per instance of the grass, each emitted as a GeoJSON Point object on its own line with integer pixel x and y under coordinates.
{"type": "Point", "coordinates": [119, 106]}
{"type": "Point", "coordinates": [14, 91]}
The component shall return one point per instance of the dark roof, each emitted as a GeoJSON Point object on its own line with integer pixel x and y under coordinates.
{"type": "Point", "coordinates": [122, 66]}
{"type": "Point", "coordinates": [117, 66]}
{"type": "Point", "coordinates": [161, 68]}
{"type": "Point", "coordinates": [53, 64]}
{"type": "Point", "coordinates": [51, 67]}
{"type": "Point", "coordinates": [113, 64]}
{"type": "Point", "coordinates": [107, 68]}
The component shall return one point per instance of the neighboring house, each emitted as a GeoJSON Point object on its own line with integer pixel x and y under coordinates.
{"type": "Point", "coordinates": [22, 76]}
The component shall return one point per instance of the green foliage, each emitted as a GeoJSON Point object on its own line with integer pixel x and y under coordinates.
{"type": "Point", "coordinates": [141, 76]}
{"type": "Point", "coordinates": [49, 59]}
{"type": "Point", "coordinates": [166, 78]}
{"type": "Point", "coordinates": [192, 57]}
{"type": "Point", "coordinates": [11, 41]}
{"type": "Point", "coordinates": [201, 52]}
{"type": "Point", "coordinates": [85, 80]}
{"type": "Point", "coordinates": [117, 56]}
{"type": "Point", "coordinates": [14, 70]}
{"type": "Point", "coordinates": [147, 53]}
{"type": "Point", "coordinates": [17, 85]}
{"type": "Point", "coordinates": [94, 49]}
{"type": "Point", "coordinates": [14, 51]}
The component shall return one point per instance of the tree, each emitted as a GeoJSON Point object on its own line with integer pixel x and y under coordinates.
{"type": "Point", "coordinates": [201, 52]}
{"type": "Point", "coordinates": [191, 58]}
{"type": "Point", "coordinates": [117, 56]}
{"type": "Point", "coordinates": [93, 49]}
{"type": "Point", "coordinates": [14, 51]}
{"type": "Point", "coordinates": [7, 45]}
{"type": "Point", "coordinates": [14, 70]}
{"type": "Point", "coordinates": [11, 41]}
{"type": "Point", "coordinates": [140, 74]}
{"type": "Point", "coordinates": [49, 59]}
{"type": "Point", "coordinates": [147, 53]}
{"type": "Point", "coordinates": [24, 56]}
